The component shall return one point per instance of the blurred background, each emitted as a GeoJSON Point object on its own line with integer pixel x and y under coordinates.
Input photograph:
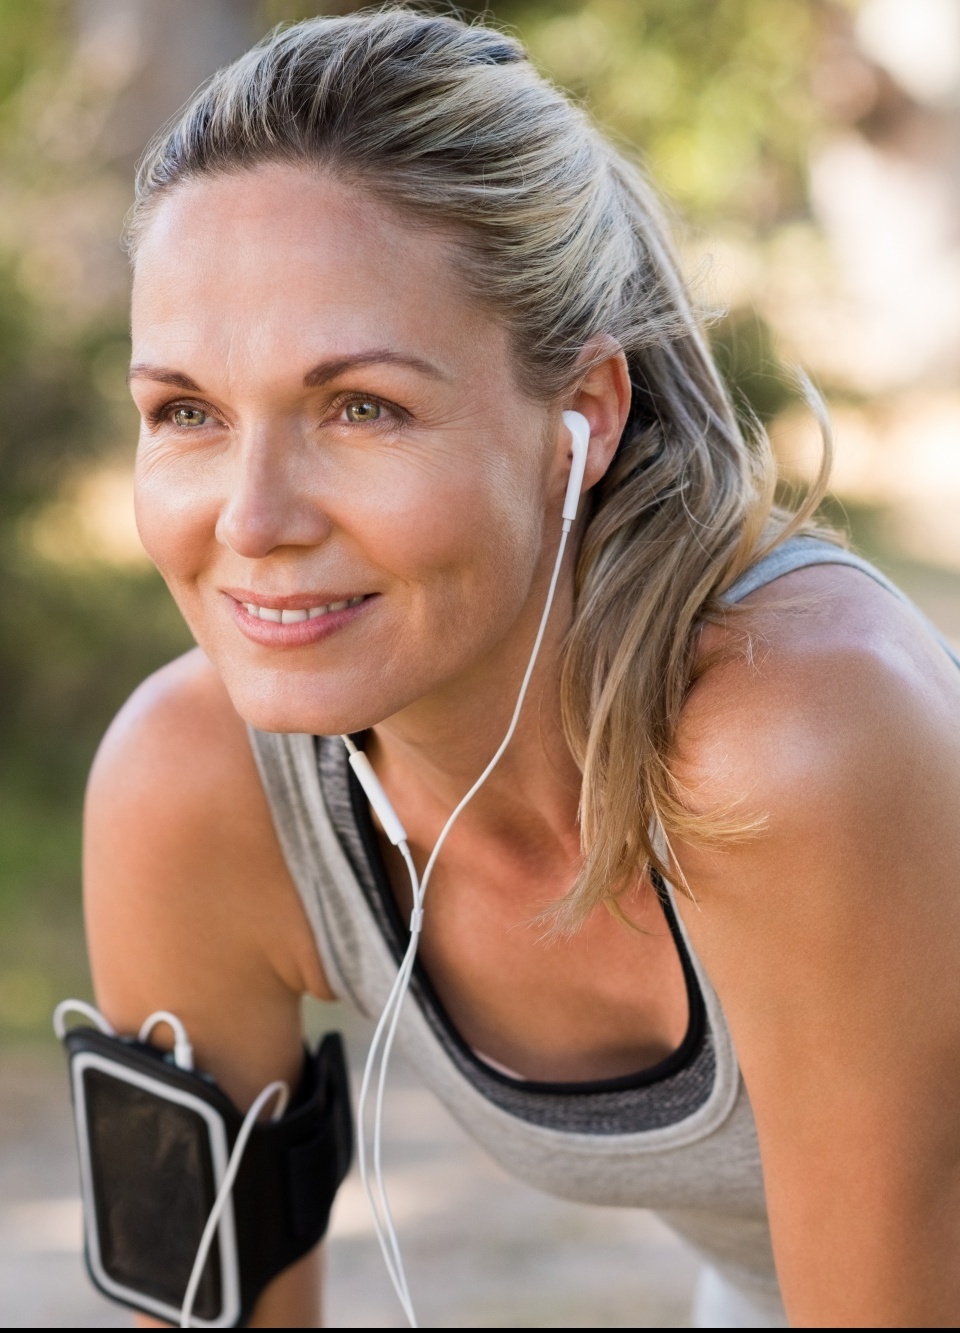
{"type": "Point", "coordinates": [812, 151]}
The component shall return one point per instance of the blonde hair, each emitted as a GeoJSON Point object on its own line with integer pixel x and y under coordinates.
{"type": "Point", "coordinates": [563, 237]}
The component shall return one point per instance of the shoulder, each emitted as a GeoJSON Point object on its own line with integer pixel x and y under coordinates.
{"type": "Point", "coordinates": [174, 775]}
{"type": "Point", "coordinates": [180, 721]}
{"type": "Point", "coordinates": [825, 691]}
{"type": "Point", "coordinates": [178, 834]}
{"type": "Point", "coordinates": [834, 746]}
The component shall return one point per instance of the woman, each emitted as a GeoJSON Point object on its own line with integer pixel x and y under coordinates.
{"type": "Point", "coordinates": [692, 946]}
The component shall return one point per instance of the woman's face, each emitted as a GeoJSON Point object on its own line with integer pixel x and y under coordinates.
{"type": "Point", "coordinates": [352, 501]}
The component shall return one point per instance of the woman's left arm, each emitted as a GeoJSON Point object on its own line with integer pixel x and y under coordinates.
{"type": "Point", "coordinates": [832, 935]}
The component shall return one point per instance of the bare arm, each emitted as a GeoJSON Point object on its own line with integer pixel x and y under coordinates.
{"type": "Point", "coordinates": [190, 907]}
{"type": "Point", "coordinates": [832, 937]}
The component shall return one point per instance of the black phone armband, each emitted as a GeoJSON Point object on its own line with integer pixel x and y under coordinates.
{"type": "Point", "coordinates": [154, 1140]}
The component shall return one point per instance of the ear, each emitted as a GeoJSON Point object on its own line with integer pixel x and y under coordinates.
{"type": "Point", "coordinates": [602, 395]}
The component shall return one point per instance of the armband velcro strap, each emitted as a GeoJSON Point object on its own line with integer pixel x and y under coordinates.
{"type": "Point", "coordinates": [154, 1141]}
{"type": "Point", "coordinates": [293, 1168]}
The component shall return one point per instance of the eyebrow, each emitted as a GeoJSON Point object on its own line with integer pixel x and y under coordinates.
{"type": "Point", "coordinates": [325, 371]}
{"type": "Point", "coordinates": [322, 373]}
{"type": "Point", "coordinates": [141, 371]}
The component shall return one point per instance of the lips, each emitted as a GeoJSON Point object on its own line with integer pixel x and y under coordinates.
{"type": "Point", "coordinates": [296, 621]}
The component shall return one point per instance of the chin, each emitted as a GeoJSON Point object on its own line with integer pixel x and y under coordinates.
{"type": "Point", "coordinates": [305, 704]}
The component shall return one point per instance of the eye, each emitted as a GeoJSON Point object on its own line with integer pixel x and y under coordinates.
{"type": "Point", "coordinates": [363, 410]}
{"type": "Point", "coordinates": [189, 418]}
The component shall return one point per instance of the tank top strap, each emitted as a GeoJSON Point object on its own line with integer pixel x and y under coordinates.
{"type": "Point", "coordinates": [801, 553]}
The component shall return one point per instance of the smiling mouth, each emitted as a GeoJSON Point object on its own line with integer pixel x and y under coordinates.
{"type": "Point", "coordinates": [278, 617]}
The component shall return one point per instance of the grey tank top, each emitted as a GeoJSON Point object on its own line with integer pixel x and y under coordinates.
{"type": "Point", "coordinates": [678, 1138]}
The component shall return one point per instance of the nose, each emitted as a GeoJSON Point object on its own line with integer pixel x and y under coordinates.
{"type": "Point", "coordinates": [272, 499]}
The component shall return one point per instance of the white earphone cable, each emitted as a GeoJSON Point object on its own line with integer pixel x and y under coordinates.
{"type": "Point", "coordinates": [383, 1037]}
{"type": "Point", "coordinates": [281, 1091]}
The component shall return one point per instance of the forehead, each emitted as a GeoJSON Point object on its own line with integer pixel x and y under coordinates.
{"type": "Point", "coordinates": [277, 259]}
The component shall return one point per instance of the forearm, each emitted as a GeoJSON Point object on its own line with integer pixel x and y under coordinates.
{"type": "Point", "coordinates": [294, 1299]}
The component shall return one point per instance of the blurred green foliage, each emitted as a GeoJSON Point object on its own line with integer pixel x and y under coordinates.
{"type": "Point", "coordinates": [30, 30]}
{"type": "Point", "coordinates": [71, 636]}
{"type": "Point", "coordinates": [74, 638]}
{"type": "Point", "coordinates": [713, 94]}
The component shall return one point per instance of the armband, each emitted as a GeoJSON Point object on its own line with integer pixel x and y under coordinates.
{"type": "Point", "coordinates": [154, 1140]}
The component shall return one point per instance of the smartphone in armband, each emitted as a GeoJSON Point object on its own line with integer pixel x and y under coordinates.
{"type": "Point", "coordinates": [154, 1141]}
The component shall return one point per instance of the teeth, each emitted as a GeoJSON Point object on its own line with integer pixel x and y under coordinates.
{"type": "Point", "coordinates": [293, 617]}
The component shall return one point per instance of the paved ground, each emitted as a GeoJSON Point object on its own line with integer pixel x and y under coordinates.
{"type": "Point", "coordinates": [482, 1251]}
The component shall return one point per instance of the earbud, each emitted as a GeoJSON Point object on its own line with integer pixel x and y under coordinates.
{"type": "Point", "coordinates": [579, 428]}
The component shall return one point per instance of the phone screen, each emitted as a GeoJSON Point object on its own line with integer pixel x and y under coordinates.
{"type": "Point", "coordinates": [154, 1188]}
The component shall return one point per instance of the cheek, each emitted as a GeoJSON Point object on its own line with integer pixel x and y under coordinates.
{"type": "Point", "coordinates": [459, 537]}
{"type": "Point", "coordinates": [176, 520]}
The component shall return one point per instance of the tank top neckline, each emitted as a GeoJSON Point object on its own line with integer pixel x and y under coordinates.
{"type": "Point", "coordinates": [375, 883]}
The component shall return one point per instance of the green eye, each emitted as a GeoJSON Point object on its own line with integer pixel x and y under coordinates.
{"type": "Point", "coordinates": [362, 411]}
{"type": "Point", "coordinates": [189, 417]}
